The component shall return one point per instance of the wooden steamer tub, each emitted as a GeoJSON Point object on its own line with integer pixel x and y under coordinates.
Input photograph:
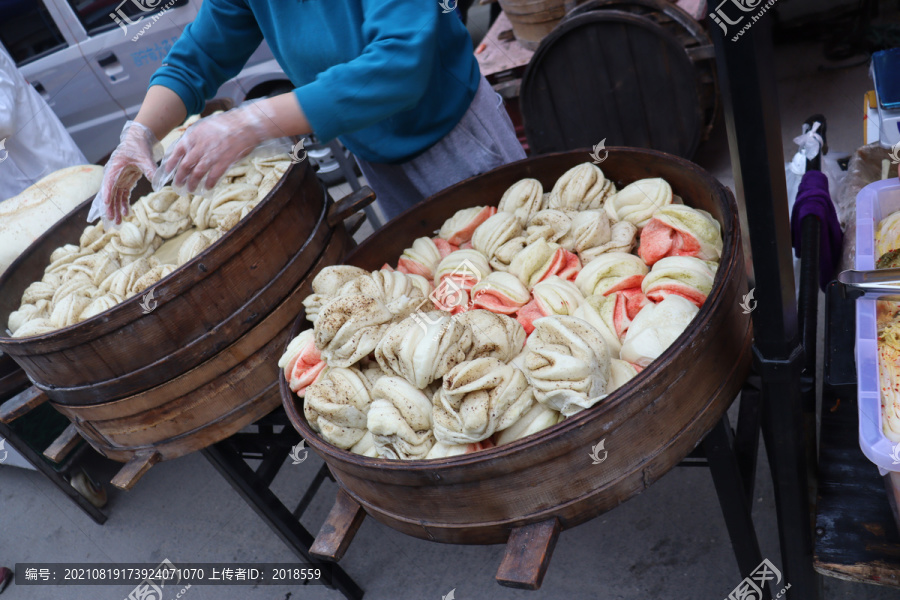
{"type": "Point", "coordinates": [202, 364]}
{"type": "Point", "coordinates": [524, 493]}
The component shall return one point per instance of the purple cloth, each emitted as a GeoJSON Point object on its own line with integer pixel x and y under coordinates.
{"type": "Point", "coordinates": [813, 199]}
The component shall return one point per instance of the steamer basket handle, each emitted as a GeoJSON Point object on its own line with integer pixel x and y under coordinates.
{"type": "Point", "coordinates": [350, 204]}
{"type": "Point", "coordinates": [527, 555]}
{"type": "Point", "coordinates": [338, 529]}
{"type": "Point", "coordinates": [354, 222]}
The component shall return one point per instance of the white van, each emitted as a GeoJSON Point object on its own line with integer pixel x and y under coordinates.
{"type": "Point", "coordinates": [92, 60]}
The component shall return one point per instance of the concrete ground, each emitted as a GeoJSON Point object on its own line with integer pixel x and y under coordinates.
{"type": "Point", "coordinates": [669, 542]}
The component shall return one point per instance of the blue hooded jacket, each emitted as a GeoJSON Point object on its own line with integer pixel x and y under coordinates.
{"type": "Point", "coordinates": [389, 78]}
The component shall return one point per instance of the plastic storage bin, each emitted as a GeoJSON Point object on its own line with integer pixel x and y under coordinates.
{"type": "Point", "coordinates": [874, 202]}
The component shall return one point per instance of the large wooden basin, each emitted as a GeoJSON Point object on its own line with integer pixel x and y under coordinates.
{"type": "Point", "coordinates": [192, 320]}
{"type": "Point", "coordinates": [142, 388]}
{"type": "Point", "coordinates": [548, 480]}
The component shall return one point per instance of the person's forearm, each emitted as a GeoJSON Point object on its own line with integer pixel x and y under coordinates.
{"type": "Point", "coordinates": [162, 111]}
{"type": "Point", "coordinates": [283, 116]}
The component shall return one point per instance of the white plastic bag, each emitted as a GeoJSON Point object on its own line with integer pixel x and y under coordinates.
{"type": "Point", "coordinates": [810, 144]}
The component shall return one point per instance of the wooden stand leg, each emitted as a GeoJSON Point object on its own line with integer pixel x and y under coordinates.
{"type": "Point", "coordinates": [63, 445]}
{"type": "Point", "coordinates": [21, 404]}
{"type": "Point", "coordinates": [134, 469]}
{"type": "Point", "coordinates": [337, 532]}
{"type": "Point", "coordinates": [528, 553]}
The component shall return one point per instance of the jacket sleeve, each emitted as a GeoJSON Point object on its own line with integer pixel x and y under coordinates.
{"type": "Point", "coordinates": [390, 76]}
{"type": "Point", "coordinates": [211, 50]}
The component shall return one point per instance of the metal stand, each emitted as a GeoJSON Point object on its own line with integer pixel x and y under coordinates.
{"type": "Point", "coordinates": [229, 457]}
{"type": "Point", "coordinates": [747, 80]}
{"type": "Point", "coordinates": [736, 505]}
{"type": "Point", "coordinates": [272, 448]}
{"type": "Point", "coordinates": [13, 382]}
{"type": "Point", "coordinates": [57, 478]}
{"type": "Point", "coordinates": [723, 450]}
{"type": "Point", "coordinates": [349, 174]}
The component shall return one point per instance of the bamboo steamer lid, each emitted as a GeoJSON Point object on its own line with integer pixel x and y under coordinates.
{"type": "Point", "coordinates": [26, 217]}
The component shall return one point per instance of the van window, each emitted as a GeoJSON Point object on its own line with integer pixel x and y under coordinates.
{"type": "Point", "coordinates": [101, 15]}
{"type": "Point", "coordinates": [27, 30]}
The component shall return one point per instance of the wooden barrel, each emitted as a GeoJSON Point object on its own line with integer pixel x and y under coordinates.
{"type": "Point", "coordinates": [206, 404]}
{"type": "Point", "coordinates": [141, 388]}
{"type": "Point", "coordinates": [213, 341]}
{"type": "Point", "coordinates": [532, 20]}
{"type": "Point", "coordinates": [630, 72]}
{"type": "Point", "coordinates": [547, 480]}
{"type": "Point", "coordinates": [192, 303]}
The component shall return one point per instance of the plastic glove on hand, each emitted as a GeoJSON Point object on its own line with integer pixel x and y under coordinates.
{"type": "Point", "coordinates": [210, 146]}
{"type": "Point", "coordinates": [136, 154]}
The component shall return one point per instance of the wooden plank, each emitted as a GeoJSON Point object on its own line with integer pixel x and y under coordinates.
{"type": "Point", "coordinates": [856, 535]}
{"type": "Point", "coordinates": [63, 445]}
{"type": "Point", "coordinates": [21, 404]}
{"type": "Point", "coordinates": [337, 532]}
{"type": "Point", "coordinates": [528, 555]}
{"type": "Point", "coordinates": [354, 222]}
{"type": "Point", "coordinates": [135, 469]}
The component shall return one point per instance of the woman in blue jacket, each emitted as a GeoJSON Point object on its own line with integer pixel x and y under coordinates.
{"type": "Point", "coordinates": [395, 80]}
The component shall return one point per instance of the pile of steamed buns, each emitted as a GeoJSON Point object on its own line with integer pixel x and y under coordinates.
{"type": "Point", "coordinates": [163, 231]}
{"type": "Point", "coordinates": [508, 321]}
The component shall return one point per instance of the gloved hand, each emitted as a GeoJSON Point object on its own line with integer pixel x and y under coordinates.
{"type": "Point", "coordinates": [211, 145]}
{"type": "Point", "coordinates": [136, 154]}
